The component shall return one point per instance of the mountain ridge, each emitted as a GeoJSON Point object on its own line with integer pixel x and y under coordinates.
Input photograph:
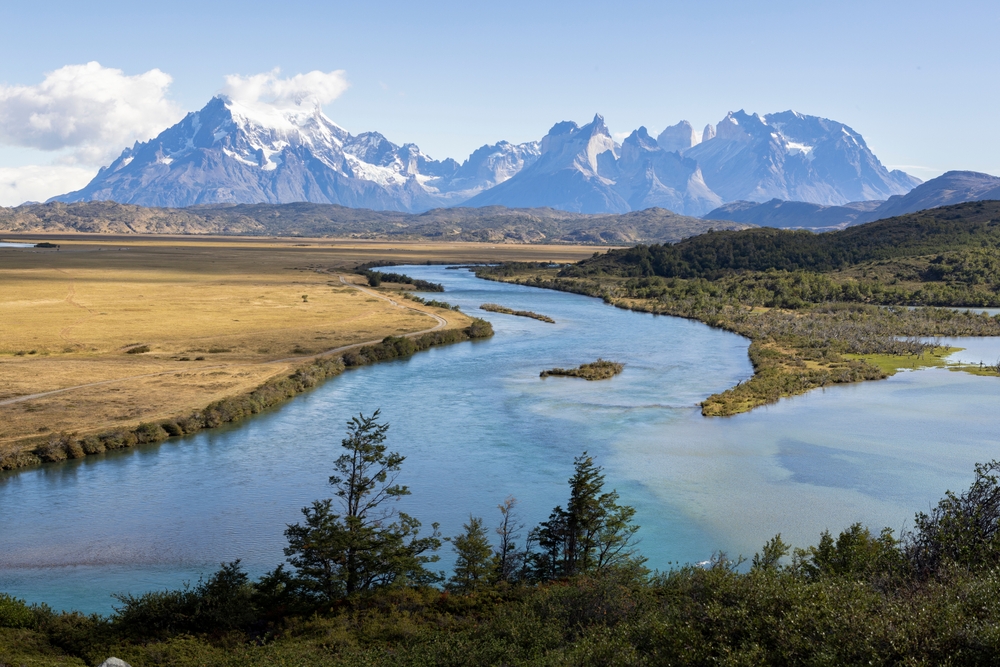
{"type": "Point", "coordinates": [236, 152]}
{"type": "Point", "coordinates": [494, 224]}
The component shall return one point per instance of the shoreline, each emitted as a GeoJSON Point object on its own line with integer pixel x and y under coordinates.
{"type": "Point", "coordinates": [778, 372]}
{"type": "Point", "coordinates": [236, 408]}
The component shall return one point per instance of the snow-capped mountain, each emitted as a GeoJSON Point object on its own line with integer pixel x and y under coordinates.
{"type": "Point", "coordinates": [237, 152]}
{"type": "Point", "coordinates": [230, 152]}
{"type": "Point", "coordinates": [793, 157]}
{"type": "Point", "coordinates": [575, 172]}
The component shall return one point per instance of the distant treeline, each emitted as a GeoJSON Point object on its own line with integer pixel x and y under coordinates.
{"type": "Point", "coordinates": [719, 253]}
{"type": "Point", "coordinates": [376, 278]}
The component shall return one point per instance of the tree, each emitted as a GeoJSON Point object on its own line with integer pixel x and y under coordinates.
{"type": "Point", "coordinates": [474, 565]}
{"type": "Point", "coordinates": [370, 544]}
{"type": "Point", "coordinates": [592, 534]}
{"type": "Point", "coordinates": [509, 559]}
{"type": "Point", "coordinates": [963, 529]}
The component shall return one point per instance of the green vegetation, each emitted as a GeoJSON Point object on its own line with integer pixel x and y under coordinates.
{"type": "Point", "coordinates": [376, 278]}
{"type": "Point", "coordinates": [496, 308]}
{"type": "Point", "coordinates": [818, 309]}
{"type": "Point", "coordinates": [596, 370]}
{"type": "Point", "coordinates": [947, 256]}
{"type": "Point", "coordinates": [573, 592]}
{"type": "Point", "coordinates": [433, 303]}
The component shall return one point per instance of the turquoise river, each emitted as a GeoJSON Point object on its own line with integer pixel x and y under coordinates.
{"type": "Point", "coordinates": [477, 424]}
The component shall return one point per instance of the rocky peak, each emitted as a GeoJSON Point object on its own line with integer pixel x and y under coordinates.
{"type": "Point", "coordinates": [677, 138]}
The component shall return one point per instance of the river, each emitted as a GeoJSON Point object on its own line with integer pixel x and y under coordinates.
{"type": "Point", "coordinates": [477, 424]}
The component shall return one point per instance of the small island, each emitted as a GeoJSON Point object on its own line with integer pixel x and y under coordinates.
{"type": "Point", "coordinates": [597, 370]}
{"type": "Point", "coordinates": [496, 308]}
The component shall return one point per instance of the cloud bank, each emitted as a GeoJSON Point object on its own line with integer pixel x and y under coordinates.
{"type": "Point", "coordinates": [93, 111]}
{"type": "Point", "coordinates": [39, 182]}
{"type": "Point", "coordinates": [309, 90]}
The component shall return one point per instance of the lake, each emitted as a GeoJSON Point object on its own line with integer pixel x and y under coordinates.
{"type": "Point", "coordinates": [477, 424]}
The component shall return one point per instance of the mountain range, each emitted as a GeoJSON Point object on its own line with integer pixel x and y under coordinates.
{"type": "Point", "coordinates": [235, 152]}
{"type": "Point", "coordinates": [953, 187]}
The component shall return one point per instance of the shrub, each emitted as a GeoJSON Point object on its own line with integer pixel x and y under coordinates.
{"type": "Point", "coordinates": [148, 432]}
{"type": "Point", "coordinates": [118, 439]}
{"type": "Point", "coordinates": [15, 613]}
{"type": "Point", "coordinates": [171, 428]}
{"type": "Point", "coordinates": [92, 445]}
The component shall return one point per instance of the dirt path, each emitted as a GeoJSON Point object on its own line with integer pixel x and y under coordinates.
{"type": "Point", "coordinates": [441, 323]}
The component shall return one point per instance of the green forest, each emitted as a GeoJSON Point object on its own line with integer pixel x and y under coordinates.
{"type": "Point", "coordinates": [819, 309]}
{"type": "Point", "coordinates": [359, 588]}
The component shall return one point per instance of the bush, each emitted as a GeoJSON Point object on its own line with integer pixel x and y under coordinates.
{"type": "Point", "coordinates": [15, 613]}
{"type": "Point", "coordinates": [147, 433]}
{"type": "Point", "coordinates": [92, 445]}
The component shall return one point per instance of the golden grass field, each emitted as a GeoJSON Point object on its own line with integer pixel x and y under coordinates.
{"type": "Point", "coordinates": [219, 315]}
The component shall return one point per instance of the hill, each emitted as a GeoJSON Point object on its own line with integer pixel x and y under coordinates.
{"type": "Point", "coordinates": [953, 187]}
{"type": "Point", "coordinates": [494, 224]}
{"type": "Point", "coordinates": [973, 226]}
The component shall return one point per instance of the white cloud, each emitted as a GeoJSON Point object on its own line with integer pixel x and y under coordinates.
{"type": "Point", "coordinates": [313, 89]}
{"type": "Point", "coordinates": [39, 182]}
{"type": "Point", "coordinates": [96, 111]}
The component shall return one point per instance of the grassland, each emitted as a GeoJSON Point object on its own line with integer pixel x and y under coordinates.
{"type": "Point", "coordinates": [219, 317]}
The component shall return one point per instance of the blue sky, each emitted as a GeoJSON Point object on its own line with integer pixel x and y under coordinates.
{"type": "Point", "coordinates": [917, 79]}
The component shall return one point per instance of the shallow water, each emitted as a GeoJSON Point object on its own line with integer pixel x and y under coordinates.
{"type": "Point", "coordinates": [477, 424]}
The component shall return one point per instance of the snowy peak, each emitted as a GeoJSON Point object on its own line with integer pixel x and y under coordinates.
{"type": "Point", "coordinates": [234, 151]}
{"type": "Point", "coordinates": [792, 156]}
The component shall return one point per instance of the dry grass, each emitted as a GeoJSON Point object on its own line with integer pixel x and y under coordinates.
{"type": "Point", "coordinates": [219, 315]}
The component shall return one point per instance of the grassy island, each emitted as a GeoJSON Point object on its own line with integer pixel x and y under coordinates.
{"type": "Point", "coordinates": [819, 309]}
{"type": "Point", "coordinates": [496, 308]}
{"type": "Point", "coordinates": [597, 370]}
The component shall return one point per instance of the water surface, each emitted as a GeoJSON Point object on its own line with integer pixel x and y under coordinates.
{"type": "Point", "coordinates": [477, 424]}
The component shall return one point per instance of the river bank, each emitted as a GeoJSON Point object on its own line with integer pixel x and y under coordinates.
{"type": "Point", "coordinates": [792, 351]}
{"type": "Point", "coordinates": [237, 408]}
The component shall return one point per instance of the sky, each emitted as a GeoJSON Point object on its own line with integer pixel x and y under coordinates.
{"type": "Point", "coordinates": [81, 81]}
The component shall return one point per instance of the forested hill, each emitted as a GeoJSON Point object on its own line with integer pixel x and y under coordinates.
{"type": "Point", "coordinates": [963, 227]}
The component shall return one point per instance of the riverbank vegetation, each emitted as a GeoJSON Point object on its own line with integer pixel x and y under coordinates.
{"type": "Point", "coordinates": [497, 308]}
{"type": "Point", "coordinates": [62, 446]}
{"type": "Point", "coordinates": [595, 370]}
{"type": "Point", "coordinates": [376, 278]}
{"type": "Point", "coordinates": [819, 309]}
{"type": "Point", "coordinates": [359, 588]}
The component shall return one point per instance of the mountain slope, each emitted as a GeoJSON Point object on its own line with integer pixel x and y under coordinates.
{"type": "Point", "coordinates": [953, 187]}
{"type": "Point", "coordinates": [567, 175]}
{"type": "Point", "coordinates": [791, 156]}
{"type": "Point", "coordinates": [236, 152]}
{"type": "Point", "coordinates": [794, 214]}
{"type": "Point", "coordinates": [230, 152]}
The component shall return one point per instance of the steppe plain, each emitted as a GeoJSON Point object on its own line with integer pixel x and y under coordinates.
{"type": "Point", "coordinates": [219, 316]}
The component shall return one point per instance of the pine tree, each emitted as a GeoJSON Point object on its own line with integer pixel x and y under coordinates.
{"type": "Point", "coordinates": [592, 534]}
{"type": "Point", "coordinates": [474, 566]}
{"type": "Point", "coordinates": [370, 544]}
